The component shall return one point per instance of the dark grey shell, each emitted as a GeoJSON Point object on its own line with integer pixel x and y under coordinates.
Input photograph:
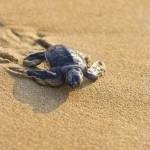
{"type": "Point", "coordinates": [60, 56]}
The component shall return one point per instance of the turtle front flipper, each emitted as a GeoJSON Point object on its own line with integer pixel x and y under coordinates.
{"type": "Point", "coordinates": [96, 70]}
{"type": "Point", "coordinates": [34, 59]}
{"type": "Point", "coordinates": [45, 77]}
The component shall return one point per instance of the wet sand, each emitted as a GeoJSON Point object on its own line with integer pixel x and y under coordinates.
{"type": "Point", "coordinates": [113, 112]}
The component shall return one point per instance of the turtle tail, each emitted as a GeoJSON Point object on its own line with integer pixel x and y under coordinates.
{"type": "Point", "coordinates": [43, 43]}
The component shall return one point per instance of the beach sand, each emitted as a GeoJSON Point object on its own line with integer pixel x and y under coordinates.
{"type": "Point", "coordinates": [113, 112]}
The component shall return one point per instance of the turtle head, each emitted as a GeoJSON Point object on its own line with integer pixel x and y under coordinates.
{"type": "Point", "coordinates": [74, 77]}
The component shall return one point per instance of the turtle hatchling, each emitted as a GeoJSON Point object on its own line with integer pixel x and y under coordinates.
{"type": "Point", "coordinates": [66, 66]}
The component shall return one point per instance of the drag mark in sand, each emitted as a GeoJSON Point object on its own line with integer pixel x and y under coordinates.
{"type": "Point", "coordinates": [7, 58]}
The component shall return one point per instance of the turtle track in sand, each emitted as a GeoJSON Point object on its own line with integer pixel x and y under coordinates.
{"type": "Point", "coordinates": [14, 45]}
{"type": "Point", "coordinates": [11, 63]}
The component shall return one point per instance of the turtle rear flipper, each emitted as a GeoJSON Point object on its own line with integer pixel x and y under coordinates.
{"type": "Point", "coordinates": [96, 70]}
{"type": "Point", "coordinates": [34, 59]}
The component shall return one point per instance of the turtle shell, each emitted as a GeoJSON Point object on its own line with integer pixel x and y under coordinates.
{"type": "Point", "coordinates": [59, 56]}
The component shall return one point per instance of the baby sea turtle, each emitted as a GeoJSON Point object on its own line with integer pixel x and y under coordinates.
{"type": "Point", "coordinates": [66, 66]}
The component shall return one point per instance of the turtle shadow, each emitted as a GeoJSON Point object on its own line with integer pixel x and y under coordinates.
{"type": "Point", "coordinates": [42, 99]}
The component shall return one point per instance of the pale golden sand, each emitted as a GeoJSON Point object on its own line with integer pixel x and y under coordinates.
{"type": "Point", "coordinates": [112, 113]}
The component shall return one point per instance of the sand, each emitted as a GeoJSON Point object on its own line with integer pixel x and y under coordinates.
{"type": "Point", "coordinates": [113, 112]}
